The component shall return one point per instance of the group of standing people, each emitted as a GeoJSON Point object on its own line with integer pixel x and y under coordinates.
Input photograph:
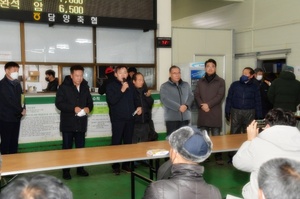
{"type": "Point", "coordinates": [128, 98]}
{"type": "Point", "coordinates": [252, 97]}
{"type": "Point", "coordinates": [130, 103]}
{"type": "Point", "coordinates": [177, 98]}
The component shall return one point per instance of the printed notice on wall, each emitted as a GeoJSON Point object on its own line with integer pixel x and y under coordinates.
{"type": "Point", "coordinates": [41, 123]}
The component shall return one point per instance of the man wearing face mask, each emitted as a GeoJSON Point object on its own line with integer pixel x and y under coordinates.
{"type": "Point", "coordinates": [263, 85]}
{"type": "Point", "coordinates": [243, 102]}
{"type": "Point", "coordinates": [52, 81]}
{"type": "Point", "coordinates": [12, 108]}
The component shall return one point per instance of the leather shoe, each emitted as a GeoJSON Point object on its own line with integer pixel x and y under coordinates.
{"type": "Point", "coordinates": [117, 171]}
{"type": "Point", "coordinates": [82, 172]}
{"type": "Point", "coordinates": [67, 176]}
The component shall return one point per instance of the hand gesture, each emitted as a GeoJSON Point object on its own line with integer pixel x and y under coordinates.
{"type": "Point", "coordinates": [125, 85]}
{"type": "Point", "coordinates": [252, 130]}
{"type": "Point", "coordinates": [182, 108]}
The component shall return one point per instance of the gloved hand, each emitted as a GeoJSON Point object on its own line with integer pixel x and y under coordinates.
{"type": "Point", "coordinates": [227, 116]}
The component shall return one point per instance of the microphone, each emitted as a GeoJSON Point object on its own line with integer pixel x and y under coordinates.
{"type": "Point", "coordinates": [134, 113]}
{"type": "Point", "coordinates": [125, 80]}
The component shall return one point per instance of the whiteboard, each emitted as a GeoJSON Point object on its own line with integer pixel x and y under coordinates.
{"type": "Point", "coordinates": [67, 44]}
{"type": "Point", "coordinates": [10, 48]}
{"type": "Point", "coordinates": [125, 46]}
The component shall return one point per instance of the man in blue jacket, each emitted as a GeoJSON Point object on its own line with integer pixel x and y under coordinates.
{"type": "Point", "coordinates": [74, 101]}
{"type": "Point", "coordinates": [243, 102]}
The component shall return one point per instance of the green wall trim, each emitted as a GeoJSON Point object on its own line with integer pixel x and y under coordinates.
{"type": "Point", "coordinates": [40, 100]}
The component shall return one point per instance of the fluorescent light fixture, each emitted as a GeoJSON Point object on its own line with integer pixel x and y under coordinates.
{"type": "Point", "coordinates": [83, 41]}
{"type": "Point", "coordinates": [63, 46]}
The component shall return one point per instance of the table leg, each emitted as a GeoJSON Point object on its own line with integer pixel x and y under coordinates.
{"type": "Point", "coordinates": [132, 175]}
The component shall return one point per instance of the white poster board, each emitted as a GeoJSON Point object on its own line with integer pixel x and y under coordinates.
{"type": "Point", "coordinates": [41, 123]}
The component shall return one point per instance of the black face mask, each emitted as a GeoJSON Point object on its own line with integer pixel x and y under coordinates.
{"type": "Point", "coordinates": [47, 79]}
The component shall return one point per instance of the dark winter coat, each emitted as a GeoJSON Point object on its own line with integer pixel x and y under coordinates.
{"type": "Point", "coordinates": [212, 93]}
{"type": "Point", "coordinates": [266, 105]}
{"type": "Point", "coordinates": [146, 103]}
{"type": "Point", "coordinates": [185, 182]}
{"type": "Point", "coordinates": [122, 105]}
{"type": "Point", "coordinates": [67, 98]}
{"type": "Point", "coordinates": [244, 96]}
{"type": "Point", "coordinates": [10, 100]}
{"type": "Point", "coordinates": [52, 86]}
{"type": "Point", "coordinates": [284, 91]}
{"type": "Point", "coordinates": [110, 78]}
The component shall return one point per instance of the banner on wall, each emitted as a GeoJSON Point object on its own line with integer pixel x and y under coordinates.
{"type": "Point", "coordinates": [197, 71]}
{"type": "Point", "coordinates": [41, 123]}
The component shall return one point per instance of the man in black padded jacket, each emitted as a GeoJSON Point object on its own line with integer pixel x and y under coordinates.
{"type": "Point", "coordinates": [74, 101]}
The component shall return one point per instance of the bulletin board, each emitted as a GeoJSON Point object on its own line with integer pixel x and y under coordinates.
{"type": "Point", "coordinates": [41, 123]}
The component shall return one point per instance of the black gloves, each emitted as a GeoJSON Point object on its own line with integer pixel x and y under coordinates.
{"type": "Point", "coordinates": [227, 116]}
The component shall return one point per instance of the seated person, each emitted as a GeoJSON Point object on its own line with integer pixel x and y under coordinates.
{"type": "Point", "coordinates": [280, 138]}
{"type": "Point", "coordinates": [36, 187]}
{"type": "Point", "coordinates": [189, 146]}
{"type": "Point", "coordinates": [52, 81]}
{"type": "Point", "coordinates": [279, 179]}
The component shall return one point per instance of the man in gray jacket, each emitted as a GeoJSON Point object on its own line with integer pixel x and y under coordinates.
{"type": "Point", "coordinates": [189, 146]}
{"type": "Point", "coordinates": [177, 98]}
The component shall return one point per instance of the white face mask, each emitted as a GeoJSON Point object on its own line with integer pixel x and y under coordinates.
{"type": "Point", "coordinates": [259, 77]}
{"type": "Point", "coordinates": [14, 75]}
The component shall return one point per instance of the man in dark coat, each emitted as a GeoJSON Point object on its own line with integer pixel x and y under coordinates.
{"type": "Point", "coordinates": [209, 94]}
{"type": "Point", "coordinates": [12, 108]}
{"type": "Point", "coordinates": [52, 81]}
{"type": "Point", "coordinates": [243, 102]}
{"type": "Point", "coordinates": [123, 105]}
{"type": "Point", "coordinates": [75, 102]}
{"type": "Point", "coordinates": [263, 85]}
{"type": "Point", "coordinates": [142, 122]}
{"type": "Point", "coordinates": [285, 91]}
